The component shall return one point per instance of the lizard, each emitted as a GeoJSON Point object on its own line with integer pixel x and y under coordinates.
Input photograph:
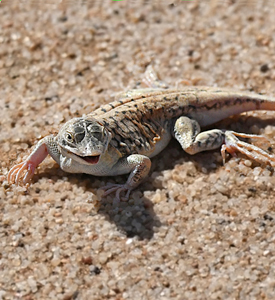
{"type": "Point", "coordinates": [121, 137]}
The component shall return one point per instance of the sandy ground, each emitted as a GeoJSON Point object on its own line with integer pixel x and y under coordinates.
{"type": "Point", "coordinates": [195, 229]}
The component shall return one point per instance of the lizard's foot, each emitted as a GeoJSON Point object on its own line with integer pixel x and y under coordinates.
{"type": "Point", "coordinates": [151, 79]}
{"type": "Point", "coordinates": [139, 166]}
{"type": "Point", "coordinates": [117, 188]}
{"type": "Point", "coordinates": [233, 144]}
{"type": "Point", "coordinates": [16, 172]}
{"type": "Point", "coordinates": [29, 165]}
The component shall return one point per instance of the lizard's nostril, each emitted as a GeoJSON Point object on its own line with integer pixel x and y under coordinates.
{"type": "Point", "coordinates": [79, 137]}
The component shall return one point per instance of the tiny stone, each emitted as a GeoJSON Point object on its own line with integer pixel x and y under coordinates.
{"type": "Point", "coordinates": [254, 211]}
{"type": "Point", "coordinates": [87, 260]}
{"type": "Point", "coordinates": [59, 221]}
{"type": "Point", "coordinates": [264, 68]}
{"type": "Point", "coordinates": [248, 163]}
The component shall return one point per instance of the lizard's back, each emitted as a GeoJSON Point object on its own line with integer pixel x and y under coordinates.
{"type": "Point", "coordinates": [143, 123]}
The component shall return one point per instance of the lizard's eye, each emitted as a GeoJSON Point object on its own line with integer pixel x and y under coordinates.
{"type": "Point", "coordinates": [69, 137]}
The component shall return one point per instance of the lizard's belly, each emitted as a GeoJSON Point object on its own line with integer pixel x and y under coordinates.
{"type": "Point", "coordinates": [159, 144]}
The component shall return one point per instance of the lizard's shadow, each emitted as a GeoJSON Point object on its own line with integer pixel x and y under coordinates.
{"type": "Point", "coordinates": [244, 123]}
{"type": "Point", "coordinates": [134, 218]}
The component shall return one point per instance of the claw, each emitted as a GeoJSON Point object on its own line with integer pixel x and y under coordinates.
{"type": "Point", "coordinates": [117, 188]}
{"type": "Point", "coordinates": [233, 144]}
{"type": "Point", "coordinates": [16, 172]}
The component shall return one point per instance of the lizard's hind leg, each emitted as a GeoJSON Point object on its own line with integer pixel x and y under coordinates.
{"type": "Point", "coordinates": [151, 79]}
{"type": "Point", "coordinates": [187, 132]}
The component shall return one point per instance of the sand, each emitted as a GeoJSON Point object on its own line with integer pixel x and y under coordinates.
{"type": "Point", "coordinates": [195, 229]}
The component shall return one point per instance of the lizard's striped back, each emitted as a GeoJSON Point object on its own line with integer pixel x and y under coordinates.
{"type": "Point", "coordinates": [141, 123]}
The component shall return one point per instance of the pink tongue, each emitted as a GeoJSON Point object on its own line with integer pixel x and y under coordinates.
{"type": "Point", "coordinates": [91, 159]}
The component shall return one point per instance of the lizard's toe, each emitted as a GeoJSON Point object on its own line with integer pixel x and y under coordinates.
{"type": "Point", "coordinates": [233, 145]}
{"type": "Point", "coordinates": [117, 188]}
{"type": "Point", "coordinates": [17, 171]}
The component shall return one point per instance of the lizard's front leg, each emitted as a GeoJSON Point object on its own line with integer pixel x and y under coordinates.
{"type": "Point", "coordinates": [45, 146]}
{"type": "Point", "coordinates": [138, 165]}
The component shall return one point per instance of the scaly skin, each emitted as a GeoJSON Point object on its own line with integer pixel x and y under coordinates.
{"type": "Point", "coordinates": [122, 136]}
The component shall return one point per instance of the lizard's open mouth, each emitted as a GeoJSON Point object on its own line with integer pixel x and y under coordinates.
{"type": "Point", "coordinates": [91, 159]}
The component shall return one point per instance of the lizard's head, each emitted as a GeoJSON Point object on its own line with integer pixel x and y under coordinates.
{"type": "Point", "coordinates": [83, 139]}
